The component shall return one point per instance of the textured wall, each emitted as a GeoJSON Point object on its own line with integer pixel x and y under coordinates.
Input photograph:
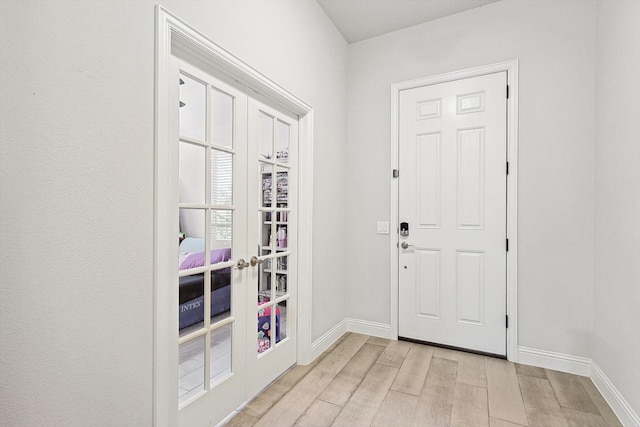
{"type": "Point", "coordinates": [76, 189]}
{"type": "Point", "coordinates": [77, 213]}
{"type": "Point", "coordinates": [554, 41]}
{"type": "Point", "coordinates": [616, 341]}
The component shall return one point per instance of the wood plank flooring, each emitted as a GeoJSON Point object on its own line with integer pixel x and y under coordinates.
{"type": "Point", "coordinates": [369, 381]}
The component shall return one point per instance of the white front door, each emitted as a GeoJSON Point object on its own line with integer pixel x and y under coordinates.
{"type": "Point", "coordinates": [452, 213]}
{"type": "Point", "coordinates": [235, 286]}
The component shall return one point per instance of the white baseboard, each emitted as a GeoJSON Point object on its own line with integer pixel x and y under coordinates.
{"type": "Point", "coordinates": [375, 329]}
{"type": "Point", "coordinates": [358, 326]}
{"type": "Point", "coordinates": [618, 403]}
{"type": "Point", "coordinates": [324, 342]}
{"type": "Point", "coordinates": [585, 367]}
{"type": "Point", "coordinates": [556, 361]}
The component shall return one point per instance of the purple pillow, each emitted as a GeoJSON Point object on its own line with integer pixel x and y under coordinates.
{"type": "Point", "coordinates": [195, 260]}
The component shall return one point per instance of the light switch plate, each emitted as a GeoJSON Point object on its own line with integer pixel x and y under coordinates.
{"type": "Point", "coordinates": [383, 227]}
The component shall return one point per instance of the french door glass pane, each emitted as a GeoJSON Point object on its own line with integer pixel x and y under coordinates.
{"type": "Point", "coordinates": [266, 178]}
{"type": "Point", "coordinates": [193, 102]}
{"type": "Point", "coordinates": [191, 369]}
{"type": "Point", "coordinates": [221, 234]}
{"type": "Point", "coordinates": [191, 303]}
{"type": "Point", "coordinates": [282, 313]}
{"type": "Point", "coordinates": [265, 136]}
{"type": "Point", "coordinates": [220, 294]}
{"type": "Point", "coordinates": [281, 237]}
{"type": "Point", "coordinates": [281, 268]}
{"type": "Point", "coordinates": [192, 173]}
{"type": "Point", "coordinates": [191, 238]}
{"type": "Point", "coordinates": [221, 178]}
{"type": "Point", "coordinates": [221, 118]}
{"type": "Point", "coordinates": [264, 282]}
{"type": "Point", "coordinates": [281, 281]}
{"type": "Point", "coordinates": [268, 327]}
{"type": "Point", "coordinates": [282, 188]}
{"type": "Point", "coordinates": [220, 363]}
{"type": "Point", "coordinates": [282, 217]}
{"type": "Point", "coordinates": [264, 228]}
{"type": "Point", "coordinates": [282, 142]}
{"type": "Point", "coordinates": [191, 289]}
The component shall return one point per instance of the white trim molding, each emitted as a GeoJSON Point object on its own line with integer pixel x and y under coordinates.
{"type": "Point", "coordinates": [357, 326]}
{"type": "Point", "coordinates": [585, 367]}
{"type": "Point", "coordinates": [320, 345]}
{"type": "Point", "coordinates": [556, 361]}
{"type": "Point", "coordinates": [511, 67]}
{"type": "Point", "coordinates": [365, 327]}
{"type": "Point", "coordinates": [175, 38]}
{"type": "Point", "coordinates": [625, 413]}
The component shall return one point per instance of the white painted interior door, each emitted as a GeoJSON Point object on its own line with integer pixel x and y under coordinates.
{"type": "Point", "coordinates": [452, 195]}
{"type": "Point", "coordinates": [272, 299]}
{"type": "Point", "coordinates": [212, 215]}
{"type": "Point", "coordinates": [235, 286]}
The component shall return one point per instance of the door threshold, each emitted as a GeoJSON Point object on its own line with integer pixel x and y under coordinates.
{"type": "Point", "coordinates": [450, 347]}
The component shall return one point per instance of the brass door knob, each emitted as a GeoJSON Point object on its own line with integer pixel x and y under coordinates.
{"type": "Point", "coordinates": [255, 260]}
{"type": "Point", "coordinates": [241, 264]}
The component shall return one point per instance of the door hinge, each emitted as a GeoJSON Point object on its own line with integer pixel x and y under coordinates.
{"type": "Point", "coordinates": [507, 321]}
{"type": "Point", "coordinates": [396, 173]}
{"type": "Point", "coordinates": [507, 91]}
{"type": "Point", "coordinates": [507, 168]}
{"type": "Point", "coordinates": [507, 245]}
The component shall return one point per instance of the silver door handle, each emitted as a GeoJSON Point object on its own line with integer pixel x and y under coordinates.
{"type": "Point", "coordinates": [405, 245]}
{"type": "Point", "coordinates": [255, 260]}
{"type": "Point", "coordinates": [241, 264]}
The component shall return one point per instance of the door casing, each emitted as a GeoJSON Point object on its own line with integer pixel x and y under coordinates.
{"type": "Point", "coordinates": [511, 67]}
{"type": "Point", "coordinates": [176, 38]}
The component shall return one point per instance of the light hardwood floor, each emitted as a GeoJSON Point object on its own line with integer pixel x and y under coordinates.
{"type": "Point", "coordinates": [369, 381]}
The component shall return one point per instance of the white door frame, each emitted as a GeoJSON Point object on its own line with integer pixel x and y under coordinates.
{"type": "Point", "coordinates": [174, 36]}
{"type": "Point", "coordinates": [511, 67]}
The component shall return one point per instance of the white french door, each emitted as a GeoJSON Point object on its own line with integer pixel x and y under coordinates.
{"type": "Point", "coordinates": [212, 215]}
{"type": "Point", "coordinates": [452, 213]}
{"type": "Point", "coordinates": [236, 278]}
{"type": "Point", "coordinates": [273, 142]}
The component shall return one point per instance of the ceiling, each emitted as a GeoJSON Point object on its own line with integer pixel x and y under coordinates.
{"type": "Point", "coordinates": [362, 19]}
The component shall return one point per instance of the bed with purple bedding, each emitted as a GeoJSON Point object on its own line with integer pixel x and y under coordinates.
{"type": "Point", "coordinates": [191, 289]}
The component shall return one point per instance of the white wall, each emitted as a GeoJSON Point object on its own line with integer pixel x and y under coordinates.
{"type": "Point", "coordinates": [554, 41]}
{"type": "Point", "coordinates": [616, 339]}
{"type": "Point", "coordinates": [76, 189]}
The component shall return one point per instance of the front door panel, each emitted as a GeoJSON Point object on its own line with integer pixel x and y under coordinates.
{"type": "Point", "coordinates": [452, 263]}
